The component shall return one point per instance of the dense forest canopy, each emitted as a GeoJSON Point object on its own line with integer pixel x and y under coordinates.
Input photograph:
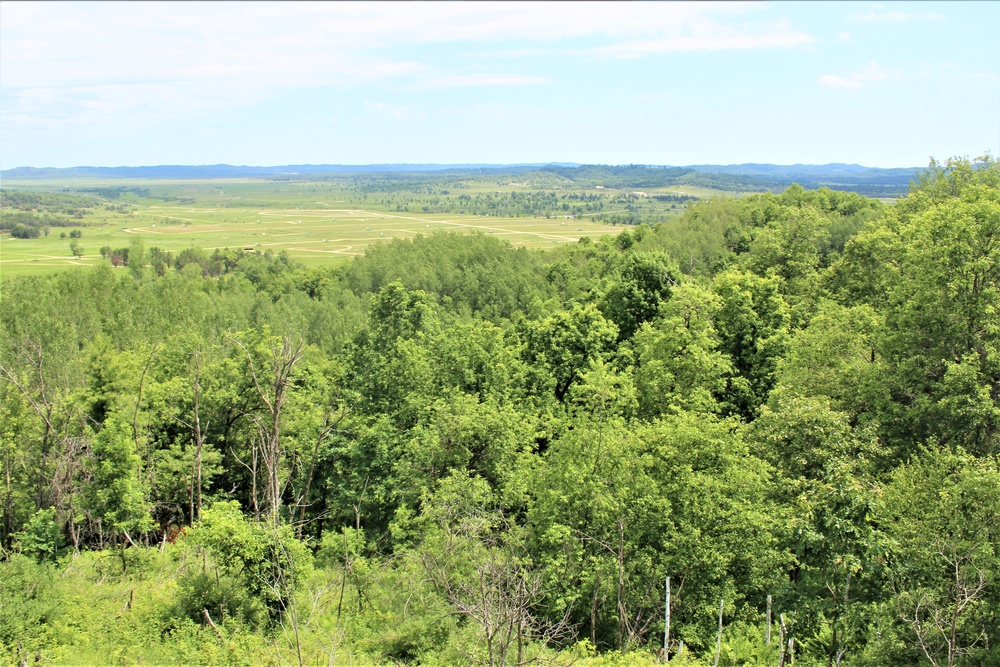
{"type": "Point", "coordinates": [452, 451]}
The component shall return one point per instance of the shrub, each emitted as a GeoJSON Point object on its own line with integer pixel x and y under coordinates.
{"type": "Point", "coordinates": [264, 560]}
{"type": "Point", "coordinates": [41, 536]}
{"type": "Point", "coordinates": [22, 231]}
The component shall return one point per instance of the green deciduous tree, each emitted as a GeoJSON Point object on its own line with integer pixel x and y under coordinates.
{"type": "Point", "coordinates": [562, 345]}
{"type": "Point", "coordinates": [826, 482]}
{"type": "Point", "coordinates": [678, 363]}
{"type": "Point", "coordinates": [618, 508]}
{"type": "Point", "coordinates": [752, 322]}
{"type": "Point", "coordinates": [941, 512]}
{"type": "Point", "coordinates": [930, 268]}
{"type": "Point", "coordinates": [114, 495]}
{"type": "Point", "coordinates": [641, 282]}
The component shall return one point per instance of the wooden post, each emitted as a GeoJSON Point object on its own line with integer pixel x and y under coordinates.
{"type": "Point", "coordinates": [767, 637]}
{"type": "Point", "coordinates": [718, 641]}
{"type": "Point", "coordinates": [791, 643]}
{"type": "Point", "coordinates": [781, 640]}
{"type": "Point", "coordinates": [666, 626]}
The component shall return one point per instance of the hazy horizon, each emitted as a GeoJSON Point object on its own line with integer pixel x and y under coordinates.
{"type": "Point", "coordinates": [450, 165]}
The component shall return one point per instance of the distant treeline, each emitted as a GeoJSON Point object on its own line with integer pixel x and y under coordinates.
{"type": "Point", "coordinates": [115, 192]}
{"type": "Point", "coordinates": [28, 215]}
{"type": "Point", "coordinates": [45, 202]}
{"type": "Point", "coordinates": [739, 178]}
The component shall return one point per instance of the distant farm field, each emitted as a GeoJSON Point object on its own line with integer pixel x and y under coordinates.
{"type": "Point", "coordinates": [315, 223]}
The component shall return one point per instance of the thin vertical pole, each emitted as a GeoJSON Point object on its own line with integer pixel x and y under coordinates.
{"type": "Point", "coordinates": [666, 627]}
{"type": "Point", "coordinates": [767, 640]}
{"type": "Point", "coordinates": [718, 641]}
{"type": "Point", "coordinates": [782, 632]}
{"type": "Point", "coordinates": [791, 642]}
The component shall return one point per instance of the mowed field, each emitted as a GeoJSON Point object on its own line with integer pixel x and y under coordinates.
{"type": "Point", "coordinates": [315, 223]}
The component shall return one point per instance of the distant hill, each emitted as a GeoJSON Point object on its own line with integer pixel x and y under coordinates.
{"type": "Point", "coordinates": [824, 174]}
{"type": "Point", "coordinates": [738, 178]}
{"type": "Point", "coordinates": [243, 171]}
{"type": "Point", "coordinates": [747, 177]}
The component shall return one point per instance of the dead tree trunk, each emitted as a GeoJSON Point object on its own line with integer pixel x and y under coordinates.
{"type": "Point", "coordinates": [328, 429]}
{"type": "Point", "coordinates": [283, 357]}
{"type": "Point", "coordinates": [198, 435]}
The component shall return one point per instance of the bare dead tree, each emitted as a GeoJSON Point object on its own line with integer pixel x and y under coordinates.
{"type": "Point", "coordinates": [499, 597]}
{"type": "Point", "coordinates": [61, 450]}
{"type": "Point", "coordinates": [135, 411]}
{"type": "Point", "coordinates": [284, 354]}
{"type": "Point", "coordinates": [329, 427]}
{"type": "Point", "coordinates": [32, 356]}
{"type": "Point", "coordinates": [937, 617]}
{"type": "Point", "coordinates": [252, 469]}
{"type": "Point", "coordinates": [636, 619]}
{"type": "Point", "coordinates": [198, 435]}
{"type": "Point", "coordinates": [499, 594]}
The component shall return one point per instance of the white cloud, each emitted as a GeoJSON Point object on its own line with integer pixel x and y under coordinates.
{"type": "Point", "coordinates": [706, 42]}
{"type": "Point", "coordinates": [986, 81]}
{"type": "Point", "coordinates": [652, 97]}
{"type": "Point", "coordinates": [867, 75]}
{"type": "Point", "coordinates": [839, 82]}
{"type": "Point", "coordinates": [483, 111]}
{"type": "Point", "coordinates": [111, 63]}
{"type": "Point", "coordinates": [844, 36]}
{"type": "Point", "coordinates": [895, 17]}
{"type": "Point", "coordinates": [303, 43]}
{"type": "Point", "coordinates": [509, 53]}
{"type": "Point", "coordinates": [394, 111]}
{"type": "Point", "coordinates": [465, 80]}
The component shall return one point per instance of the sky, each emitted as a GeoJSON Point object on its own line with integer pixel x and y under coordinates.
{"type": "Point", "coordinates": [259, 83]}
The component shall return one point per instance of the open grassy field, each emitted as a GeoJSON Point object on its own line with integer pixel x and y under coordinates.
{"type": "Point", "coordinates": [315, 222]}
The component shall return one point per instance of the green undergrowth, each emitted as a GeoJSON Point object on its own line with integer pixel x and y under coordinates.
{"type": "Point", "coordinates": [98, 608]}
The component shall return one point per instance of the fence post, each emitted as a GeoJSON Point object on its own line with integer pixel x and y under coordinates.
{"type": "Point", "coordinates": [718, 641]}
{"type": "Point", "coordinates": [767, 639]}
{"type": "Point", "coordinates": [666, 626]}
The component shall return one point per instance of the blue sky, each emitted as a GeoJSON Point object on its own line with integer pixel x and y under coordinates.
{"type": "Point", "coordinates": [259, 83]}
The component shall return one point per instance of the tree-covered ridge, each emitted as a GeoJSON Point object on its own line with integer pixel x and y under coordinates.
{"type": "Point", "coordinates": [451, 451]}
{"type": "Point", "coordinates": [386, 177]}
